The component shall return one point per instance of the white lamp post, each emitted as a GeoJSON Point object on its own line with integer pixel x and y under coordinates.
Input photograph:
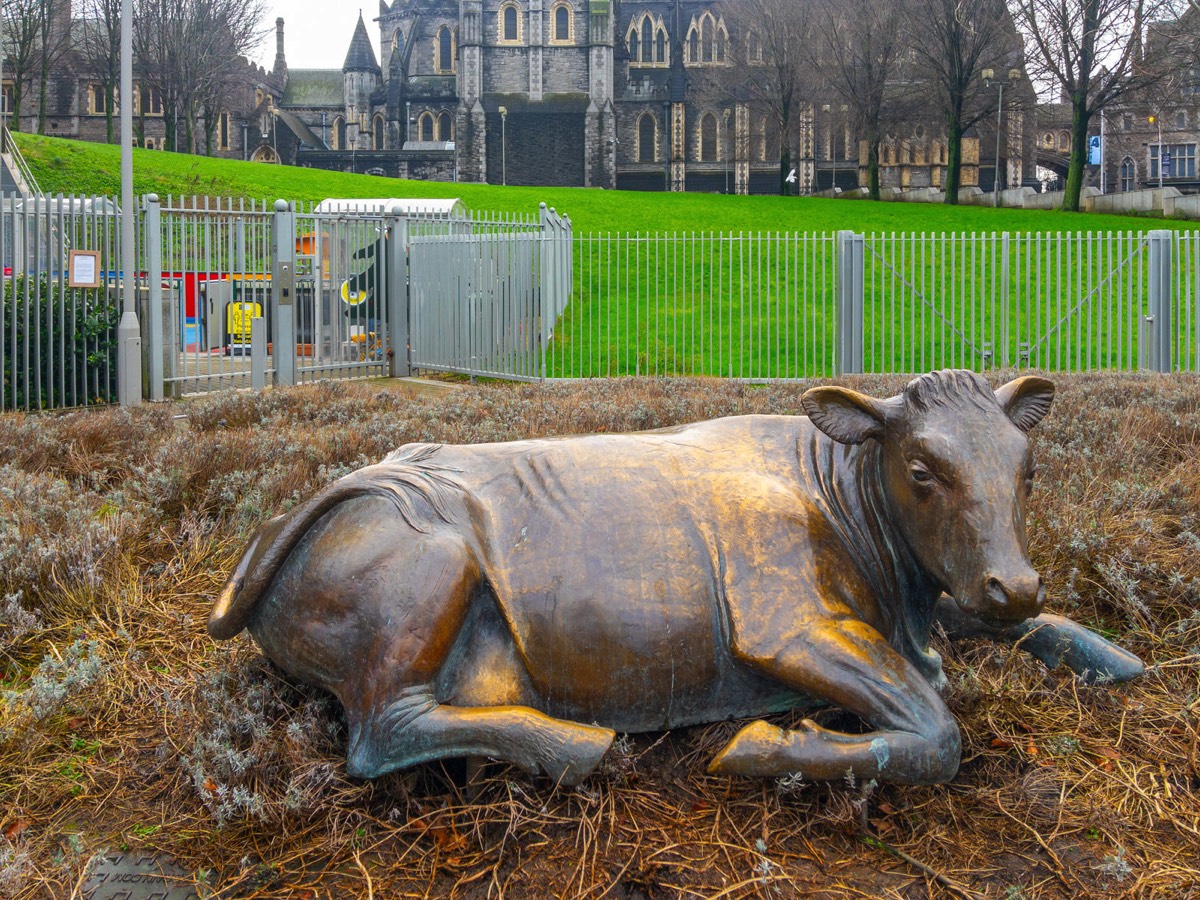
{"type": "Point", "coordinates": [726, 118]}
{"type": "Point", "coordinates": [1156, 120]}
{"type": "Point", "coordinates": [504, 145]}
{"type": "Point", "coordinates": [989, 78]}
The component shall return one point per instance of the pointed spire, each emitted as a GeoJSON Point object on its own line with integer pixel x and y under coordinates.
{"type": "Point", "coordinates": [361, 55]}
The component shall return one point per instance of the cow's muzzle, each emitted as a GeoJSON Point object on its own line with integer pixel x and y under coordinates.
{"type": "Point", "coordinates": [1011, 598]}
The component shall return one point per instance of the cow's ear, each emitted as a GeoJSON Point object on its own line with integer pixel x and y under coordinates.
{"type": "Point", "coordinates": [845, 415]}
{"type": "Point", "coordinates": [1026, 400]}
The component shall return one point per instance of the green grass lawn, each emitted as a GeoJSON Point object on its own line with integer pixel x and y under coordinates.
{"type": "Point", "coordinates": [87, 168]}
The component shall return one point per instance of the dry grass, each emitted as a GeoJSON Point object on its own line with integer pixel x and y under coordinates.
{"type": "Point", "coordinates": [123, 725]}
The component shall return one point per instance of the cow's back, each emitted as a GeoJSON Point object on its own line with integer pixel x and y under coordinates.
{"type": "Point", "coordinates": [607, 556]}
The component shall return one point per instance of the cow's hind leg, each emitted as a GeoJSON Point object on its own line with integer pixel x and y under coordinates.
{"type": "Point", "coordinates": [915, 741]}
{"type": "Point", "coordinates": [416, 728]}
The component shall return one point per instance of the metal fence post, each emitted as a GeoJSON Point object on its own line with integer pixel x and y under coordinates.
{"type": "Point", "coordinates": [283, 292]}
{"type": "Point", "coordinates": [1157, 327]}
{"type": "Point", "coordinates": [850, 303]}
{"type": "Point", "coordinates": [157, 339]}
{"type": "Point", "coordinates": [399, 351]}
{"type": "Point", "coordinates": [1005, 300]}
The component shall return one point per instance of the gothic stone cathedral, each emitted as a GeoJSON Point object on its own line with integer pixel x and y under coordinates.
{"type": "Point", "coordinates": [594, 93]}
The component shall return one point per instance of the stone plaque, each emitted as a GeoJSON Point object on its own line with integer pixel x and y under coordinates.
{"type": "Point", "coordinates": [138, 876]}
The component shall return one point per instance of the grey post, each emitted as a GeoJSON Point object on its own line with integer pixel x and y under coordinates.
{"type": "Point", "coordinates": [848, 359]}
{"type": "Point", "coordinates": [1157, 327]}
{"type": "Point", "coordinates": [129, 335]}
{"type": "Point", "coordinates": [1157, 330]}
{"type": "Point", "coordinates": [160, 343]}
{"type": "Point", "coordinates": [283, 292]}
{"type": "Point", "coordinates": [399, 360]}
{"type": "Point", "coordinates": [258, 353]}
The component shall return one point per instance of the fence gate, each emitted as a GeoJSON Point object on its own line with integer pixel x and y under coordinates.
{"type": "Point", "coordinates": [485, 295]}
{"type": "Point", "coordinates": [209, 278]}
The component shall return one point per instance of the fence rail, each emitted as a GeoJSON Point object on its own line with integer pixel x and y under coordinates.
{"type": "Point", "coordinates": [242, 294]}
{"type": "Point", "coordinates": [768, 306]}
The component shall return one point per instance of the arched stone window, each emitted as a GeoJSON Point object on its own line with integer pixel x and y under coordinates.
{"type": "Point", "coordinates": [445, 127]}
{"type": "Point", "coordinates": [445, 50]}
{"type": "Point", "coordinates": [425, 127]}
{"type": "Point", "coordinates": [511, 23]}
{"type": "Point", "coordinates": [754, 49]}
{"type": "Point", "coordinates": [149, 143]}
{"type": "Point", "coordinates": [647, 41]}
{"type": "Point", "coordinates": [1128, 175]}
{"type": "Point", "coordinates": [562, 23]}
{"type": "Point", "coordinates": [647, 133]}
{"type": "Point", "coordinates": [377, 132]}
{"type": "Point", "coordinates": [339, 134]}
{"type": "Point", "coordinates": [708, 138]}
{"type": "Point", "coordinates": [707, 39]}
{"type": "Point", "coordinates": [223, 130]}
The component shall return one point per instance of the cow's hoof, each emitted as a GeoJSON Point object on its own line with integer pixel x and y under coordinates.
{"type": "Point", "coordinates": [751, 750]}
{"type": "Point", "coordinates": [579, 754]}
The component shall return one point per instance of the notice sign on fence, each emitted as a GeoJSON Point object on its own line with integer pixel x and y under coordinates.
{"type": "Point", "coordinates": [238, 316]}
{"type": "Point", "coordinates": [83, 269]}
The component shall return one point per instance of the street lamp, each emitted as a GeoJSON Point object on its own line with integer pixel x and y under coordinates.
{"type": "Point", "coordinates": [726, 118]}
{"type": "Point", "coordinates": [504, 145]}
{"type": "Point", "coordinates": [989, 77]}
{"type": "Point", "coordinates": [1156, 120]}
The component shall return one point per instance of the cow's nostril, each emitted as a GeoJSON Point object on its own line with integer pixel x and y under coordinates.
{"type": "Point", "coordinates": [993, 589]}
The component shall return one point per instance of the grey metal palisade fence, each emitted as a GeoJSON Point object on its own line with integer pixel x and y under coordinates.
{"type": "Point", "coordinates": [377, 292]}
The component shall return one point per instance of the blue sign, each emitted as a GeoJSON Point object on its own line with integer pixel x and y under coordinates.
{"type": "Point", "coordinates": [1166, 163]}
{"type": "Point", "coordinates": [1095, 153]}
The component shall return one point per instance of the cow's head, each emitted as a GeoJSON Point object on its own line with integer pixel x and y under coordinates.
{"type": "Point", "coordinates": [956, 471]}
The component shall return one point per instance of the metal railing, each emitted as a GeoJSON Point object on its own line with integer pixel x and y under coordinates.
{"type": "Point", "coordinates": [29, 183]}
{"type": "Point", "coordinates": [749, 306]}
{"type": "Point", "coordinates": [767, 306]}
{"type": "Point", "coordinates": [242, 294]}
{"type": "Point", "coordinates": [60, 301]}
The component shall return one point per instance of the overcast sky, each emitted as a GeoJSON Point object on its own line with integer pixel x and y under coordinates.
{"type": "Point", "coordinates": [316, 33]}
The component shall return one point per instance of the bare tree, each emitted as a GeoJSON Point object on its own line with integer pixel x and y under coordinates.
{"type": "Point", "coordinates": [770, 73]}
{"type": "Point", "coordinates": [99, 48]}
{"type": "Point", "coordinates": [952, 42]}
{"type": "Point", "coordinates": [1093, 51]}
{"type": "Point", "coordinates": [189, 52]}
{"type": "Point", "coordinates": [54, 40]}
{"type": "Point", "coordinates": [22, 26]}
{"type": "Point", "coordinates": [861, 46]}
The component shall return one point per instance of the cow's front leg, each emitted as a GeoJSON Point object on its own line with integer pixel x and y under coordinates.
{"type": "Point", "coordinates": [1050, 638]}
{"type": "Point", "coordinates": [849, 664]}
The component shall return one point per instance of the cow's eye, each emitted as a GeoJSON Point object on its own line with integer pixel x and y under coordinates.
{"type": "Point", "coordinates": [920, 473]}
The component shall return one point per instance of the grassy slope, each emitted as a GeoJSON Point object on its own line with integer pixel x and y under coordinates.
{"type": "Point", "coordinates": [86, 168]}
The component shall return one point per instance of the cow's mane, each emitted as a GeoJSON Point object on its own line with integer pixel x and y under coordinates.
{"type": "Point", "coordinates": [949, 389]}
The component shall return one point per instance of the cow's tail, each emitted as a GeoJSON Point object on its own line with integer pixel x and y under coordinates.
{"type": "Point", "coordinates": [404, 477]}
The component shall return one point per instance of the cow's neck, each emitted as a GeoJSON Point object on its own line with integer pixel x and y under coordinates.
{"type": "Point", "coordinates": [863, 516]}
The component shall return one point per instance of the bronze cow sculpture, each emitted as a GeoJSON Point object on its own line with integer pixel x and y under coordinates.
{"type": "Point", "coordinates": [526, 600]}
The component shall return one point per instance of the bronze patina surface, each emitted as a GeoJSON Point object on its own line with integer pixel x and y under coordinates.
{"type": "Point", "coordinates": [527, 600]}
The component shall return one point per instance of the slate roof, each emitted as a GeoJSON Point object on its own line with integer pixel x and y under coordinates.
{"type": "Point", "coordinates": [361, 55]}
{"type": "Point", "coordinates": [315, 87]}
